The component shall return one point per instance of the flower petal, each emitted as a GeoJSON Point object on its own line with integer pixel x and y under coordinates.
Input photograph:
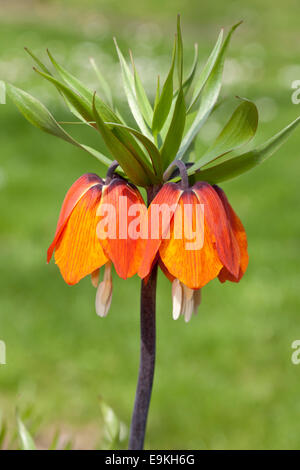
{"type": "Point", "coordinates": [241, 237]}
{"type": "Point", "coordinates": [75, 193]}
{"type": "Point", "coordinates": [78, 251]}
{"type": "Point", "coordinates": [193, 267]}
{"type": "Point", "coordinates": [159, 216]}
{"type": "Point", "coordinates": [124, 246]}
{"type": "Point", "coordinates": [219, 224]}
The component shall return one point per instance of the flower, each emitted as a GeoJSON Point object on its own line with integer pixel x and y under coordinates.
{"type": "Point", "coordinates": [202, 239]}
{"type": "Point", "coordinates": [81, 243]}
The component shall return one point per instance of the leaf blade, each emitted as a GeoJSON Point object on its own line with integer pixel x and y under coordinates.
{"type": "Point", "coordinates": [210, 95]}
{"type": "Point", "coordinates": [238, 165]}
{"type": "Point", "coordinates": [164, 102]}
{"type": "Point", "coordinates": [174, 135]}
{"type": "Point", "coordinates": [238, 131]}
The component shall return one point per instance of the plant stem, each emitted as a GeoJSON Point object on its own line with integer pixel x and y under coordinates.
{"type": "Point", "coordinates": [147, 356]}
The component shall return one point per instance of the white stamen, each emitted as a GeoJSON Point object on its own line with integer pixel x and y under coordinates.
{"type": "Point", "coordinates": [177, 298]}
{"type": "Point", "coordinates": [104, 292]}
{"type": "Point", "coordinates": [188, 303]}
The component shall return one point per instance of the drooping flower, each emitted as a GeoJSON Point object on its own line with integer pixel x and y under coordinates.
{"type": "Point", "coordinates": [83, 244]}
{"type": "Point", "coordinates": [197, 238]}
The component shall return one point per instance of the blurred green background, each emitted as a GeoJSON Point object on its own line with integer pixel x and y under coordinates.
{"type": "Point", "coordinates": [226, 379]}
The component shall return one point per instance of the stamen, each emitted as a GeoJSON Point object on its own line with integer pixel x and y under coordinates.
{"type": "Point", "coordinates": [197, 300]}
{"type": "Point", "coordinates": [188, 308]}
{"type": "Point", "coordinates": [104, 292]}
{"type": "Point", "coordinates": [177, 298]}
{"type": "Point", "coordinates": [95, 277]}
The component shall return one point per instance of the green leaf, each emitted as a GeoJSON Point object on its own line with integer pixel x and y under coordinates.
{"type": "Point", "coordinates": [205, 72]}
{"type": "Point", "coordinates": [83, 105]}
{"type": "Point", "coordinates": [239, 130]}
{"type": "Point", "coordinates": [209, 96]}
{"type": "Point", "coordinates": [134, 168]}
{"type": "Point", "coordinates": [112, 426]}
{"type": "Point", "coordinates": [103, 83]}
{"type": "Point", "coordinates": [79, 102]}
{"type": "Point", "coordinates": [129, 87]}
{"type": "Point", "coordinates": [35, 112]}
{"type": "Point", "coordinates": [189, 80]}
{"type": "Point", "coordinates": [152, 150]}
{"type": "Point", "coordinates": [179, 52]}
{"type": "Point", "coordinates": [38, 61]}
{"type": "Point", "coordinates": [38, 115]}
{"type": "Point", "coordinates": [157, 94]}
{"type": "Point", "coordinates": [238, 165]}
{"type": "Point", "coordinates": [175, 132]}
{"type": "Point", "coordinates": [142, 98]}
{"type": "Point", "coordinates": [82, 91]}
{"type": "Point", "coordinates": [164, 102]}
{"type": "Point", "coordinates": [26, 440]}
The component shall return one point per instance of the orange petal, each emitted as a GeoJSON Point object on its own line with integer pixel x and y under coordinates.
{"type": "Point", "coordinates": [159, 216]}
{"type": "Point", "coordinates": [76, 191]}
{"type": "Point", "coordinates": [124, 246]}
{"type": "Point", "coordinates": [219, 224]}
{"type": "Point", "coordinates": [78, 251]}
{"type": "Point", "coordinates": [241, 237]}
{"type": "Point", "coordinates": [193, 267]}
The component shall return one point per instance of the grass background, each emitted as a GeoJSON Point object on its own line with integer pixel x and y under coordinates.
{"type": "Point", "coordinates": [226, 379]}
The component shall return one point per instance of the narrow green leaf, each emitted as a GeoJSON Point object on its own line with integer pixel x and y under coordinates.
{"type": "Point", "coordinates": [238, 131]}
{"type": "Point", "coordinates": [79, 102]}
{"type": "Point", "coordinates": [129, 87]}
{"type": "Point", "coordinates": [38, 61]}
{"type": "Point", "coordinates": [134, 168]}
{"type": "Point", "coordinates": [103, 83]}
{"type": "Point", "coordinates": [26, 440]}
{"type": "Point", "coordinates": [157, 94]}
{"type": "Point", "coordinates": [152, 150]}
{"type": "Point", "coordinates": [83, 105]}
{"type": "Point", "coordinates": [38, 115]}
{"type": "Point", "coordinates": [35, 112]}
{"type": "Point", "coordinates": [175, 132]}
{"type": "Point", "coordinates": [3, 431]}
{"type": "Point", "coordinates": [84, 93]}
{"type": "Point", "coordinates": [205, 72]}
{"type": "Point", "coordinates": [179, 52]}
{"type": "Point", "coordinates": [142, 98]}
{"type": "Point", "coordinates": [238, 165]}
{"type": "Point", "coordinates": [189, 79]}
{"type": "Point", "coordinates": [209, 96]}
{"type": "Point", "coordinates": [164, 102]}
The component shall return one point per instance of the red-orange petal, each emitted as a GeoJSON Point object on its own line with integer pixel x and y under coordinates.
{"type": "Point", "coordinates": [193, 267]}
{"type": "Point", "coordinates": [159, 216]}
{"type": "Point", "coordinates": [241, 237]}
{"type": "Point", "coordinates": [124, 250]}
{"type": "Point", "coordinates": [219, 224]}
{"type": "Point", "coordinates": [75, 193]}
{"type": "Point", "coordinates": [78, 251]}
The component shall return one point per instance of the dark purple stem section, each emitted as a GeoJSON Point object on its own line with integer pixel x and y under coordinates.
{"type": "Point", "coordinates": [147, 357]}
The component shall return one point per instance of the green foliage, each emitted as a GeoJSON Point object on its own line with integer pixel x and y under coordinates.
{"type": "Point", "coordinates": [166, 131]}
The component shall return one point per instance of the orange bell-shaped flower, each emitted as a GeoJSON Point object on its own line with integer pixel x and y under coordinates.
{"type": "Point", "coordinates": [81, 243]}
{"type": "Point", "coordinates": [195, 236]}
